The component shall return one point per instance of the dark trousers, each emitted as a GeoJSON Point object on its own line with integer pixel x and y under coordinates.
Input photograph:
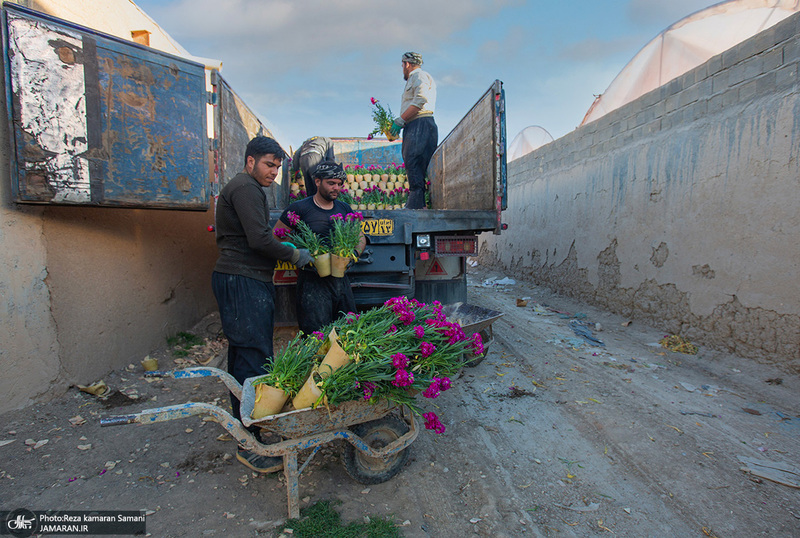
{"type": "Point", "coordinates": [320, 300]}
{"type": "Point", "coordinates": [420, 138]}
{"type": "Point", "coordinates": [247, 311]}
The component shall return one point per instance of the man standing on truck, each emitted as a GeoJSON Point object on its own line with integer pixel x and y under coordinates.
{"type": "Point", "coordinates": [420, 133]}
{"type": "Point", "coordinates": [320, 300]}
{"type": "Point", "coordinates": [310, 153]}
{"type": "Point", "coordinates": [242, 277]}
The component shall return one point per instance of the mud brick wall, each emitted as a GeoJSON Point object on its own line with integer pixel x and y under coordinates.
{"type": "Point", "coordinates": [679, 209]}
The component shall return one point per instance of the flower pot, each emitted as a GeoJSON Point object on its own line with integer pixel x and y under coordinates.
{"type": "Point", "coordinates": [382, 185]}
{"type": "Point", "coordinates": [398, 206]}
{"type": "Point", "coordinates": [308, 395]}
{"type": "Point", "coordinates": [335, 358]}
{"type": "Point", "coordinates": [401, 178]}
{"type": "Point", "coordinates": [269, 400]}
{"type": "Point", "coordinates": [390, 186]}
{"type": "Point", "coordinates": [384, 177]}
{"type": "Point", "coordinates": [350, 178]}
{"type": "Point", "coordinates": [363, 184]}
{"type": "Point", "coordinates": [390, 136]}
{"type": "Point", "coordinates": [406, 185]}
{"type": "Point", "coordinates": [362, 206]}
{"type": "Point", "coordinates": [392, 177]}
{"type": "Point", "coordinates": [339, 264]}
{"type": "Point", "coordinates": [380, 206]}
{"type": "Point", "coordinates": [359, 193]}
{"type": "Point", "coordinates": [370, 206]}
{"type": "Point", "coordinates": [323, 264]}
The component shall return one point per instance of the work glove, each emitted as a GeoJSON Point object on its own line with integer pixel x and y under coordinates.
{"type": "Point", "coordinates": [303, 257]}
{"type": "Point", "coordinates": [397, 125]}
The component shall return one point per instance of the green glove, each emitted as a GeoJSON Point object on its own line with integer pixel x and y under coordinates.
{"type": "Point", "coordinates": [397, 125]}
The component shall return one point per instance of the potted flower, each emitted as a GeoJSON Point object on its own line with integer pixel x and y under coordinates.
{"type": "Point", "coordinates": [345, 235]}
{"type": "Point", "coordinates": [287, 373]}
{"type": "Point", "coordinates": [303, 237]}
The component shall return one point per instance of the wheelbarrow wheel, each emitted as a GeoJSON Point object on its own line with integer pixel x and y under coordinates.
{"type": "Point", "coordinates": [377, 434]}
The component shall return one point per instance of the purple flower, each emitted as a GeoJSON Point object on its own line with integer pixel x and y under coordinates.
{"type": "Point", "coordinates": [337, 216]}
{"type": "Point", "coordinates": [318, 335]}
{"type": "Point", "coordinates": [444, 383]}
{"type": "Point", "coordinates": [432, 423]}
{"type": "Point", "coordinates": [403, 378]}
{"type": "Point", "coordinates": [477, 344]}
{"type": "Point", "coordinates": [373, 100]}
{"type": "Point", "coordinates": [432, 391]}
{"type": "Point", "coordinates": [369, 137]}
{"type": "Point", "coordinates": [281, 233]}
{"type": "Point", "coordinates": [407, 317]}
{"type": "Point", "coordinates": [427, 349]}
{"type": "Point", "coordinates": [367, 387]}
{"type": "Point", "coordinates": [293, 217]}
{"type": "Point", "coordinates": [419, 331]}
{"type": "Point", "coordinates": [399, 361]}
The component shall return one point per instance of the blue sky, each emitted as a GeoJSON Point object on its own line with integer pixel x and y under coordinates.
{"type": "Point", "coordinates": [309, 67]}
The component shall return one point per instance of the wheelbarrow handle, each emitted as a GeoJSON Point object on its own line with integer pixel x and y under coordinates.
{"type": "Point", "coordinates": [174, 412]}
{"type": "Point", "coordinates": [201, 371]}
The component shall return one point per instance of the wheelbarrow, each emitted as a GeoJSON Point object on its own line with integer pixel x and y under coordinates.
{"type": "Point", "coordinates": [378, 435]}
{"type": "Point", "coordinates": [473, 319]}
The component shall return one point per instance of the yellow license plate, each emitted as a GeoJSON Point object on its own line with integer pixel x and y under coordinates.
{"type": "Point", "coordinates": [377, 227]}
{"type": "Point", "coordinates": [281, 265]}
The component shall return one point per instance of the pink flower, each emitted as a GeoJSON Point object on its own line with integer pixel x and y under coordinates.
{"type": "Point", "coordinates": [281, 233]}
{"type": "Point", "coordinates": [477, 344]}
{"type": "Point", "coordinates": [293, 217]}
{"type": "Point", "coordinates": [367, 387]}
{"type": "Point", "coordinates": [303, 193]}
{"type": "Point", "coordinates": [373, 100]}
{"type": "Point", "coordinates": [351, 217]}
{"type": "Point", "coordinates": [419, 331]}
{"type": "Point", "coordinates": [427, 349]}
{"type": "Point", "coordinates": [444, 383]}
{"type": "Point", "coordinates": [432, 391]}
{"type": "Point", "coordinates": [403, 378]}
{"type": "Point", "coordinates": [399, 361]}
{"type": "Point", "coordinates": [407, 317]}
{"type": "Point", "coordinates": [337, 216]}
{"type": "Point", "coordinates": [369, 137]}
{"type": "Point", "coordinates": [432, 423]}
{"type": "Point", "coordinates": [318, 335]}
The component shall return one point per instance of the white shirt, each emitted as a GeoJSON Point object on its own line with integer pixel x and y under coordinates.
{"type": "Point", "coordinates": [420, 91]}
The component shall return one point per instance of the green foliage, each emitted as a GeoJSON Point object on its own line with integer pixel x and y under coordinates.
{"type": "Point", "coordinates": [320, 520]}
{"type": "Point", "coordinates": [292, 364]}
{"type": "Point", "coordinates": [182, 342]}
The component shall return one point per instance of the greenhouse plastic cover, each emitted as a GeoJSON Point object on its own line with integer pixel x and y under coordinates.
{"type": "Point", "coordinates": [688, 43]}
{"type": "Point", "coordinates": [529, 139]}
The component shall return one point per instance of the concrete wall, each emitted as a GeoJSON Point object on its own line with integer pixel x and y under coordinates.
{"type": "Point", "coordinates": [87, 290]}
{"type": "Point", "coordinates": [679, 209]}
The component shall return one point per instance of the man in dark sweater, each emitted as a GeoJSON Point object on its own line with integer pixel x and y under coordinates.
{"type": "Point", "coordinates": [310, 153]}
{"type": "Point", "coordinates": [321, 300]}
{"type": "Point", "coordinates": [242, 277]}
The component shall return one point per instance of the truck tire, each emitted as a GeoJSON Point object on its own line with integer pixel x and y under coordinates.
{"type": "Point", "coordinates": [377, 434]}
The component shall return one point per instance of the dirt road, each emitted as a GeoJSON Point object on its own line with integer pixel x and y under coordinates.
{"type": "Point", "coordinates": [548, 436]}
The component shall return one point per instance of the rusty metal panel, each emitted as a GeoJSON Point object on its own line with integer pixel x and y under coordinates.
{"type": "Point", "coordinates": [365, 152]}
{"type": "Point", "coordinates": [97, 120]}
{"type": "Point", "coordinates": [238, 125]}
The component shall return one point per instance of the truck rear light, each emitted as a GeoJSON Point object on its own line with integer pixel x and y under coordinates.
{"type": "Point", "coordinates": [456, 245]}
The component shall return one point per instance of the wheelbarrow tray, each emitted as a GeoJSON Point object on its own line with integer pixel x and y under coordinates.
{"type": "Point", "coordinates": [308, 421]}
{"type": "Point", "coordinates": [472, 318]}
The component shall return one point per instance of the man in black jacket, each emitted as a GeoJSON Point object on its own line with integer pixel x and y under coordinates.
{"type": "Point", "coordinates": [242, 277]}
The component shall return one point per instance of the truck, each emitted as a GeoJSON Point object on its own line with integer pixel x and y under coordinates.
{"type": "Point", "coordinates": [423, 253]}
{"type": "Point", "coordinates": [97, 120]}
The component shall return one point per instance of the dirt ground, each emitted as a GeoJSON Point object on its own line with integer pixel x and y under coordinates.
{"type": "Point", "coordinates": [548, 436]}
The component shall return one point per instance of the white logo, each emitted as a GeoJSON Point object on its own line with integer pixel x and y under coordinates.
{"type": "Point", "coordinates": [20, 523]}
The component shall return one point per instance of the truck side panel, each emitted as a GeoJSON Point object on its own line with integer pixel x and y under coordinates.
{"type": "Point", "coordinates": [100, 121]}
{"type": "Point", "coordinates": [467, 170]}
